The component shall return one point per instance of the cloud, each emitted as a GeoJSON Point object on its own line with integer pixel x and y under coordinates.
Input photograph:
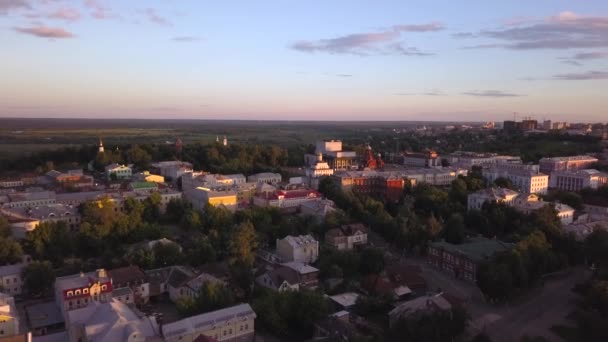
{"type": "Point", "coordinates": [8, 5]}
{"type": "Point", "coordinates": [433, 92]}
{"type": "Point", "coordinates": [344, 75]}
{"type": "Point", "coordinates": [567, 30]}
{"type": "Point", "coordinates": [184, 39]}
{"type": "Point", "coordinates": [155, 18]}
{"type": "Point", "coordinates": [67, 14]}
{"type": "Point", "coordinates": [464, 35]}
{"type": "Point", "coordinates": [491, 93]}
{"type": "Point", "coordinates": [368, 43]}
{"type": "Point", "coordinates": [98, 11]}
{"type": "Point", "coordinates": [45, 32]}
{"type": "Point", "coordinates": [572, 62]}
{"type": "Point", "coordinates": [583, 56]}
{"type": "Point", "coordinates": [584, 76]}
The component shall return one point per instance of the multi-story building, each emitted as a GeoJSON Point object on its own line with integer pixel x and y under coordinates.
{"type": "Point", "coordinates": [27, 219]}
{"type": "Point", "coordinates": [200, 197]}
{"type": "Point", "coordinates": [528, 203]}
{"type": "Point", "coordinates": [549, 165]}
{"type": "Point", "coordinates": [234, 324]}
{"type": "Point", "coordinates": [476, 200]}
{"type": "Point", "coordinates": [10, 182]}
{"type": "Point", "coordinates": [79, 290]}
{"type": "Point", "coordinates": [332, 153]}
{"type": "Point", "coordinates": [525, 180]}
{"type": "Point", "coordinates": [146, 176]}
{"type": "Point", "coordinates": [462, 260]}
{"type": "Point", "coordinates": [172, 169]}
{"type": "Point", "coordinates": [286, 199]}
{"type": "Point", "coordinates": [132, 278]}
{"type": "Point", "coordinates": [28, 199]}
{"type": "Point", "coordinates": [303, 248]}
{"type": "Point", "coordinates": [346, 237]}
{"type": "Point", "coordinates": [427, 158]}
{"type": "Point", "coordinates": [9, 317]}
{"type": "Point", "coordinates": [190, 285]}
{"type": "Point", "coordinates": [11, 281]}
{"type": "Point", "coordinates": [318, 170]}
{"type": "Point", "coordinates": [110, 321]}
{"type": "Point", "coordinates": [119, 171]}
{"type": "Point", "coordinates": [469, 159]}
{"type": "Point", "coordinates": [576, 180]}
{"type": "Point", "coordinates": [289, 277]}
{"type": "Point", "coordinates": [265, 177]}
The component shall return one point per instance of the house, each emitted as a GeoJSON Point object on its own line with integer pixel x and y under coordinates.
{"type": "Point", "coordinates": [111, 321]}
{"type": "Point", "coordinates": [11, 281]}
{"type": "Point", "coordinates": [303, 248]}
{"type": "Point", "coordinates": [347, 236]}
{"type": "Point", "coordinates": [345, 301]}
{"type": "Point", "coordinates": [235, 323]}
{"type": "Point", "coordinates": [280, 279]}
{"type": "Point", "coordinates": [119, 171]}
{"type": "Point", "coordinates": [146, 176]}
{"type": "Point", "coordinates": [130, 285]}
{"type": "Point", "coordinates": [317, 209]}
{"type": "Point", "coordinates": [189, 287]}
{"type": "Point", "coordinates": [9, 317]}
{"type": "Point", "coordinates": [424, 304]}
{"type": "Point", "coordinates": [80, 290]}
{"type": "Point", "coordinates": [476, 200]}
{"type": "Point", "coordinates": [44, 318]}
{"type": "Point", "coordinates": [308, 276]}
{"type": "Point", "coordinates": [462, 260]}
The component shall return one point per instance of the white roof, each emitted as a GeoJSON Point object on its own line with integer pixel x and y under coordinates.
{"type": "Point", "coordinates": [300, 267]}
{"type": "Point", "coordinates": [346, 299]}
{"type": "Point", "coordinates": [10, 270]}
{"type": "Point", "coordinates": [112, 321]}
{"type": "Point", "coordinates": [204, 321]}
{"type": "Point", "coordinates": [296, 241]}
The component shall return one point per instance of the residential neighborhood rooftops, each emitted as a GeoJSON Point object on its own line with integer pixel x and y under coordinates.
{"type": "Point", "coordinates": [345, 300]}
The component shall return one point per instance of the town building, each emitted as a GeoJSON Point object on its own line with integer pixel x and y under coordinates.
{"type": "Point", "coordinates": [119, 171]}
{"type": "Point", "coordinates": [161, 279]}
{"type": "Point", "coordinates": [476, 200]}
{"type": "Point", "coordinates": [583, 228]}
{"type": "Point", "coordinates": [306, 275]}
{"type": "Point", "coordinates": [528, 203]}
{"type": "Point", "coordinates": [265, 177]}
{"type": "Point", "coordinates": [24, 220]}
{"type": "Point", "coordinates": [201, 197]}
{"type": "Point", "coordinates": [235, 323]}
{"type": "Point", "coordinates": [110, 321]}
{"type": "Point", "coordinates": [11, 281]}
{"type": "Point", "coordinates": [576, 180]}
{"type": "Point", "coordinates": [9, 317]}
{"type": "Point", "coordinates": [549, 165]}
{"type": "Point", "coordinates": [317, 209]}
{"type": "Point", "coordinates": [146, 176]}
{"type": "Point", "coordinates": [332, 153]}
{"type": "Point", "coordinates": [286, 199]}
{"type": "Point", "coordinates": [11, 182]}
{"type": "Point", "coordinates": [130, 285]}
{"type": "Point", "coordinates": [525, 180]}
{"type": "Point", "coordinates": [45, 318]}
{"type": "Point", "coordinates": [384, 184]}
{"type": "Point", "coordinates": [189, 284]}
{"type": "Point", "coordinates": [462, 260]}
{"type": "Point", "coordinates": [346, 237]}
{"type": "Point", "coordinates": [172, 170]}
{"type": "Point", "coordinates": [317, 171]}
{"type": "Point", "coordinates": [28, 199]}
{"type": "Point", "coordinates": [303, 248]}
{"type": "Point", "coordinates": [279, 279]}
{"type": "Point", "coordinates": [467, 160]}
{"type": "Point", "coordinates": [80, 290]}
{"type": "Point", "coordinates": [427, 158]}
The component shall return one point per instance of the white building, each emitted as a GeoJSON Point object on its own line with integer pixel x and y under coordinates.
{"type": "Point", "coordinates": [470, 159]}
{"type": "Point", "coordinates": [287, 198]}
{"type": "Point", "coordinates": [525, 180]}
{"type": "Point", "coordinates": [495, 195]}
{"type": "Point", "coordinates": [427, 158]}
{"type": "Point", "coordinates": [81, 290]}
{"type": "Point", "coordinates": [318, 170]}
{"type": "Point", "coordinates": [549, 165]}
{"type": "Point", "coordinates": [172, 169]}
{"type": "Point", "coordinates": [11, 281]}
{"type": "Point", "coordinates": [576, 180]}
{"type": "Point", "coordinates": [235, 323]}
{"type": "Point", "coordinates": [265, 177]}
{"type": "Point", "coordinates": [111, 321]}
{"type": "Point", "coordinates": [303, 248]}
{"type": "Point", "coordinates": [34, 216]}
{"type": "Point", "coordinates": [120, 171]}
{"type": "Point", "coordinates": [9, 317]}
{"type": "Point", "coordinates": [528, 203]}
{"type": "Point", "coordinates": [29, 199]}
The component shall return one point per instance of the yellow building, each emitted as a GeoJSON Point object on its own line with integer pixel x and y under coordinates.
{"type": "Point", "coordinates": [202, 196]}
{"type": "Point", "coordinates": [9, 318]}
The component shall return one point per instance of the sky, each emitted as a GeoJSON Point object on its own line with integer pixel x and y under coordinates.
{"type": "Point", "coordinates": [305, 60]}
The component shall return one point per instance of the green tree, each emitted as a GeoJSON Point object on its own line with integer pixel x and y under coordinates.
{"type": "Point", "coordinates": [167, 254]}
{"type": "Point", "coordinates": [152, 208]}
{"type": "Point", "coordinates": [5, 228]}
{"type": "Point", "coordinates": [138, 156]}
{"type": "Point", "coordinates": [38, 278]}
{"type": "Point", "coordinates": [10, 251]}
{"type": "Point", "coordinates": [211, 296]}
{"type": "Point", "coordinates": [243, 244]}
{"type": "Point", "coordinates": [50, 241]}
{"type": "Point", "coordinates": [454, 231]}
{"type": "Point", "coordinates": [191, 219]}
{"type": "Point", "coordinates": [503, 182]}
{"type": "Point", "coordinates": [372, 261]}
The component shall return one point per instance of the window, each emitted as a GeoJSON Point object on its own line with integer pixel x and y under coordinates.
{"type": "Point", "coordinates": [77, 292]}
{"type": "Point", "coordinates": [85, 291]}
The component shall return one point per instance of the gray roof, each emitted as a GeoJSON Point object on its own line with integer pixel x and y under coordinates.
{"type": "Point", "coordinates": [202, 322]}
{"type": "Point", "coordinates": [43, 315]}
{"type": "Point", "coordinates": [477, 249]}
{"type": "Point", "coordinates": [8, 270]}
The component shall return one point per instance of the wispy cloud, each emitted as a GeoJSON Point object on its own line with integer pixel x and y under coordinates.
{"type": "Point", "coordinates": [567, 30]}
{"type": "Point", "coordinates": [432, 92]}
{"type": "Point", "coordinates": [156, 18]}
{"type": "Point", "coordinates": [98, 11]}
{"type": "Point", "coordinates": [45, 32]}
{"type": "Point", "coordinates": [572, 62]}
{"type": "Point", "coordinates": [369, 43]}
{"type": "Point", "coordinates": [8, 5]}
{"type": "Point", "coordinates": [490, 93]}
{"type": "Point", "coordinates": [67, 14]}
{"type": "Point", "coordinates": [184, 39]}
{"type": "Point", "coordinates": [583, 56]}
{"type": "Point", "coordinates": [584, 76]}
{"type": "Point", "coordinates": [344, 75]}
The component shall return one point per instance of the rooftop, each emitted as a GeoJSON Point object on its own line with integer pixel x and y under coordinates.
{"type": "Point", "coordinates": [569, 158]}
{"type": "Point", "coordinates": [214, 318]}
{"type": "Point", "coordinates": [477, 249]}
{"type": "Point", "coordinates": [346, 299]}
{"type": "Point", "coordinates": [43, 314]}
{"type": "Point", "coordinates": [300, 267]}
{"type": "Point", "coordinates": [296, 241]}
